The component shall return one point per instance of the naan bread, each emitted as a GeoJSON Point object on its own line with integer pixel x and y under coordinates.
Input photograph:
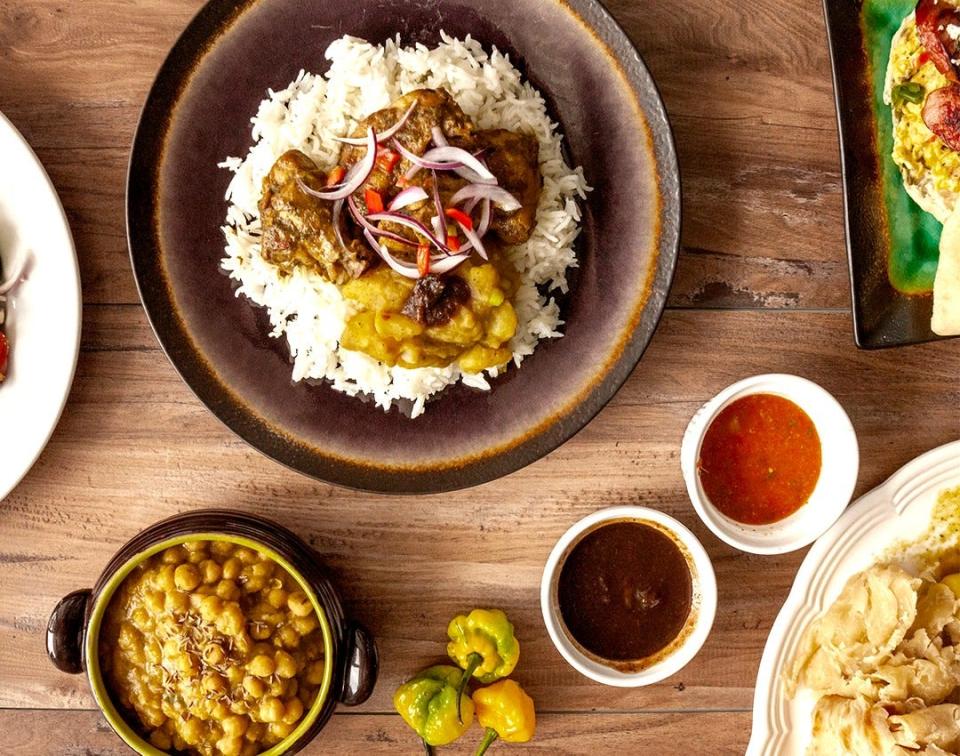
{"type": "Point", "coordinates": [857, 634]}
{"type": "Point", "coordinates": [946, 284]}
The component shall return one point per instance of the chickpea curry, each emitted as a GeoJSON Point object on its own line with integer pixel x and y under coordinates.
{"type": "Point", "coordinates": [411, 225]}
{"type": "Point", "coordinates": [212, 648]}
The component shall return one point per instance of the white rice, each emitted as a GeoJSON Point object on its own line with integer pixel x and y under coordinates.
{"type": "Point", "coordinates": [306, 115]}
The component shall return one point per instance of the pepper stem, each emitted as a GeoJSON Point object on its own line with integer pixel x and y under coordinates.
{"type": "Point", "coordinates": [428, 749]}
{"type": "Point", "coordinates": [488, 737]}
{"type": "Point", "coordinates": [473, 661]}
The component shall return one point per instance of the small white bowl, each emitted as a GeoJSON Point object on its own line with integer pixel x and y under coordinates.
{"type": "Point", "coordinates": [840, 464]}
{"type": "Point", "coordinates": [703, 606]}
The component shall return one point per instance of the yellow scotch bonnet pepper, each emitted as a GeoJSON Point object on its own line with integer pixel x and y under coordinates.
{"type": "Point", "coordinates": [428, 703]}
{"type": "Point", "coordinates": [483, 644]}
{"type": "Point", "coordinates": [506, 711]}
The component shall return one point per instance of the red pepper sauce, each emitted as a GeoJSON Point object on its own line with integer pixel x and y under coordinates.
{"type": "Point", "coordinates": [760, 459]}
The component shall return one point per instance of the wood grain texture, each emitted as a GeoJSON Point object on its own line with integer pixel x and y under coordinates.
{"type": "Point", "coordinates": [761, 287]}
{"type": "Point", "coordinates": [82, 733]}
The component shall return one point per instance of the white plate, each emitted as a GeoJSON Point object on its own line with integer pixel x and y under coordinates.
{"type": "Point", "coordinates": [43, 313]}
{"type": "Point", "coordinates": [896, 511]}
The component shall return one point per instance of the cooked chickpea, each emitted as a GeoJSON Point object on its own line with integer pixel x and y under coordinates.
{"type": "Point", "coordinates": [235, 726]}
{"type": "Point", "coordinates": [271, 709]}
{"type": "Point", "coordinates": [292, 711]}
{"type": "Point", "coordinates": [210, 607]}
{"type": "Point", "coordinates": [192, 730]}
{"type": "Point", "coordinates": [174, 555]}
{"type": "Point", "coordinates": [210, 571]}
{"type": "Point", "coordinates": [299, 604]}
{"type": "Point", "coordinates": [315, 673]}
{"type": "Point", "coordinates": [254, 686]}
{"type": "Point", "coordinates": [229, 746]}
{"type": "Point", "coordinates": [220, 618]}
{"type": "Point", "coordinates": [231, 619]}
{"type": "Point", "coordinates": [277, 598]}
{"type": "Point", "coordinates": [186, 577]}
{"type": "Point", "coordinates": [231, 568]}
{"type": "Point", "coordinates": [286, 665]}
{"type": "Point", "coordinates": [288, 636]}
{"type": "Point", "coordinates": [261, 666]}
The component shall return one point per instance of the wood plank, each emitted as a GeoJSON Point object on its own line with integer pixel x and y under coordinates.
{"type": "Point", "coordinates": [134, 446]}
{"type": "Point", "coordinates": [762, 206]}
{"type": "Point", "coordinates": [32, 733]}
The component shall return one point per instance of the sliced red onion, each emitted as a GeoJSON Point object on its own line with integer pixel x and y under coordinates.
{"type": "Point", "coordinates": [408, 196]}
{"type": "Point", "coordinates": [14, 277]}
{"type": "Point", "coordinates": [461, 157]}
{"type": "Point", "coordinates": [349, 186]}
{"type": "Point", "coordinates": [373, 229]}
{"type": "Point", "coordinates": [435, 223]}
{"type": "Point", "coordinates": [445, 264]}
{"type": "Point", "coordinates": [498, 194]}
{"type": "Point", "coordinates": [404, 269]}
{"type": "Point", "coordinates": [484, 218]}
{"type": "Point", "coordinates": [337, 209]}
{"type": "Point", "coordinates": [438, 138]}
{"type": "Point", "coordinates": [438, 204]}
{"type": "Point", "coordinates": [424, 162]}
{"type": "Point", "coordinates": [473, 241]}
{"type": "Point", "coordinates": [384, 136]}
{"type": "Point", "coordinates": [412, 223]}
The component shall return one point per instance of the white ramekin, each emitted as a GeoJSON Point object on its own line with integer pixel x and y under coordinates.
{"type": "Point", "coordinates": [702, 611]}
{"type": "Point", "coordinates": [838, 473]}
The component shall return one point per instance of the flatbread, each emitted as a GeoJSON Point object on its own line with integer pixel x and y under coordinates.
{"type": "Point", "coordinates": [946, 285]}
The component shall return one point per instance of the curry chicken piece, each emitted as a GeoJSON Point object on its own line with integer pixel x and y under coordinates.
{"type": "Point", "coordinates": [298, 227]}
{"type": "Point", "coordinates": [511, 156]}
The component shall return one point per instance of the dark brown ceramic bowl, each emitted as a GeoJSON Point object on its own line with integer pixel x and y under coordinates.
{"type": "Point", "coordinates": [614, 125]}
{"type": "Point", "coordinates": [350, 652]}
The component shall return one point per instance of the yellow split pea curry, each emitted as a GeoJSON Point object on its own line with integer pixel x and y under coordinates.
{"type": "Point", "coordinates": [213, 648]}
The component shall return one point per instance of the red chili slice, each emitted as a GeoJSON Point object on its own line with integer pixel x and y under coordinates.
{"type": "Point", "coordinates": [4, 354]}
{"type": "Point", "coordinates": [460, 217]}
{"type": "Point", "coordinates": [941, 113]}
{"type": "Point", "coordinates": [373, 200]}
{"type": "Point", "coordinates": [336, 176]}
{"type": "Point", "coordinates": [933, 18]}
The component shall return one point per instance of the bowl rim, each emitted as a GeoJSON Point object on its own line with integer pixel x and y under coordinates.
{"type": "Point", "coordinates": [705, 597]}
{"type": "Point", "coordinates": [833, 426]}
{"type": "Point", "coordinates": [101, 600]}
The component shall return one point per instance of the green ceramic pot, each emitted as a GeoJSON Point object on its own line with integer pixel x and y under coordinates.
{"type": "Point", "coordinates": [351, 654]}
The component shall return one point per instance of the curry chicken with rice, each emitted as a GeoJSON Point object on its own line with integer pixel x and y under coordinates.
{"type": "Point", "coordinates": [412, 226]}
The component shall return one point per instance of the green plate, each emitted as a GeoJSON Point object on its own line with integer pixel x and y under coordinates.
{"type": "Point", "coordinates": [892, 244]}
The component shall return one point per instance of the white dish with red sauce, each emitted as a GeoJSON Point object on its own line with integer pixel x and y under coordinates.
{"type": "Point", "coordinates": [839, 460]}
{"type": "Point", "coordinates": [42, 310]}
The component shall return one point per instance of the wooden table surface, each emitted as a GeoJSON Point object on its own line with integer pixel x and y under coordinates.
{"type": "Point", "coordinates": [761, 286]}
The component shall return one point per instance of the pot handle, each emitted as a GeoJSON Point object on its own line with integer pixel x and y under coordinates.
{"type": "Point", "coordinates": [65, 632]}
{"type": "Point", "coordinates": [360, 665]}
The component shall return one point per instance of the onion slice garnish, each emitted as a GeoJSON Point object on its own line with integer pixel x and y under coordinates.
{"type": "Point", "coordinates": [412, 223]}
{"type": "Point", "coordinates": [498, 194]}
{"type": "Point", "coordinates": [374, 229]}
{"type": "Point", "coordinates": [438, 138]}
{"type": "Point", "coordinates": [438, 204]}
{"type": "Point", "coordinates": [438, 263]}
{"type": "Point", "coordinates": [473, 240]}
{"type": "Point", "coordinates": [385, 135]}
{"type": "Point", "coordinates": [352, 182]}
{"type": "Point", "coordinates": [484, 218]}
{"type": "Point", "coordinates": [456, 157]}
{"type": "Point", "coordinates": [408, 196]}
{"type": "Point", "coordinates": [424, 162]}
{"type": "Point", "coordinates": [337, 230]}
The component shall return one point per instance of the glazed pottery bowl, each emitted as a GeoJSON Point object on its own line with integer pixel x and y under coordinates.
{"type": "Point", "coordinates": [840, 456]}
{"type": "Point", "coordinates": [675, 655]}
{"type": "Point", "coordinates": [614, 126]}
{"type": "Point", "coordinates": [349, 650]}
